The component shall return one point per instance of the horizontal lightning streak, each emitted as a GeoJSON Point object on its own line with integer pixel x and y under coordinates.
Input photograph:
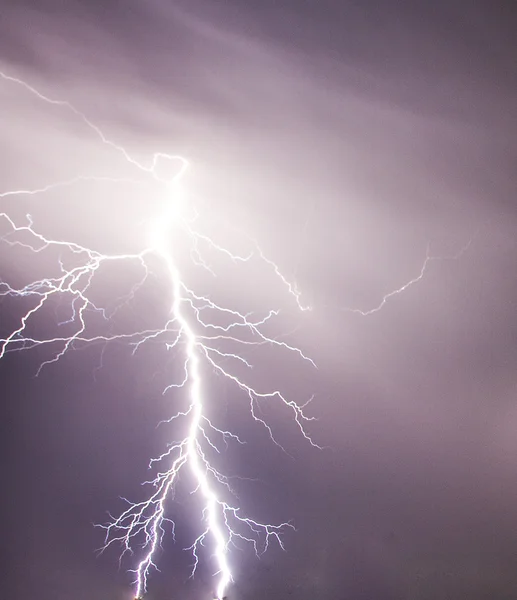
{"type": "Point", "coordinates": [428, 259]}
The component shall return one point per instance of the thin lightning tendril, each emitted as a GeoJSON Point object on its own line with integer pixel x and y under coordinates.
{"type": "Point", "coordinates": [143, 524]}
{"type": "Point", "coordinates": [428, 259]}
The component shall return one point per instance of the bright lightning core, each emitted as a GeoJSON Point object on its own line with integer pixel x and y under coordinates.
{"type": "Point", "coordinates": [193, 327]}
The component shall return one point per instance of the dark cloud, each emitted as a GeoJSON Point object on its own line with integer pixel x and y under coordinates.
{"type": "Point", "coordinates": [351, 139]}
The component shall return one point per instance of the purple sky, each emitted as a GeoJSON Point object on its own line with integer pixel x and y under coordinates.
{"type": "Point", "coordinates": [346, 137]}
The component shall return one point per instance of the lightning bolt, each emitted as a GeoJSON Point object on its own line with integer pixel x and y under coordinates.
{"type": "Point", "coordinates": [208, 336]}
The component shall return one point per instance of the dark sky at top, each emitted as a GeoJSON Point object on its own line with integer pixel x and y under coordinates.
{"type": "Point", "coordinates": [347, 137]}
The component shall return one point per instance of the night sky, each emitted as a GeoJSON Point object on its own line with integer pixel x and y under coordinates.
{"type": "Point", "coordinates": [352, 139]}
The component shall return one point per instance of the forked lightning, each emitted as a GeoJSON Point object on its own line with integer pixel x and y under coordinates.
{"type": "Point", "coordinates": [209, 337]}
{"type": "Point", "coordinates": [190, 329]}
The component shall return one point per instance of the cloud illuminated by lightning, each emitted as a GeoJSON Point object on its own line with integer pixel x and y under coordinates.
{"type": "Point", "coordinates": [202, 340]}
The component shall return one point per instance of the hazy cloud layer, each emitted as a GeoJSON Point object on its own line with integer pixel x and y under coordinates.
{"type": "Point", "coordinates": [352, 141]}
